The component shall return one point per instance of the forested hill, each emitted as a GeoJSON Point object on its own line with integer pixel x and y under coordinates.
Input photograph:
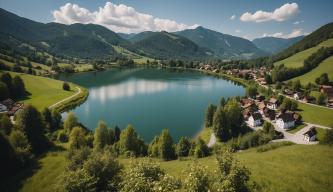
{"type": "Point", "coordinates": [323, 33]}
{"type": "Point", "coordinates": [274, 45]}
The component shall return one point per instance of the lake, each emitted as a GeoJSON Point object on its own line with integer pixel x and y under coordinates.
{"type": "Point", "coordinates": [150, 99]}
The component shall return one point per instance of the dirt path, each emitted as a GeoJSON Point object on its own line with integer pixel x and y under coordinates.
{"type": "Point", "coordinates": [70, 97]}
{"type": "Point", "coordinates": [212, 140]}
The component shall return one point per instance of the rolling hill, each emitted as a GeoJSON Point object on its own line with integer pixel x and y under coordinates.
{"type": "Point", "coordinates": [274, 45]}
{"type": "Point", "coordinates": [223, 45]}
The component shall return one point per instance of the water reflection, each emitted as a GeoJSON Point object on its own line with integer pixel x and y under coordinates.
{"type": "Point", "coordinates": [127, 89]}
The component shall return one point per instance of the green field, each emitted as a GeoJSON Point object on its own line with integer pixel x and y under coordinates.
{"type": "Point", "coordinates": [136, 57]}
{"type": "Point", "coordinates": [315, 114]}
{"type": "Point", "coordinates": [297, 59]}
{"type": "Point", "coordinates": [324, 67]}
{"type": "Point", "coordinates": [289, 168]}
{"type": "Point", "coordinates": [43, 91]}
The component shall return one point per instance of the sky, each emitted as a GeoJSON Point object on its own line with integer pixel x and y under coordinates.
{"type": "Point", "coordinates": [244, 18]}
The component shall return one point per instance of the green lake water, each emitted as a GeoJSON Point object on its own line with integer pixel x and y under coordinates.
{"type": "Point", "coordinates": [150, 99]}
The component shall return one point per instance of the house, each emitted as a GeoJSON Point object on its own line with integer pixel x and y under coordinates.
{"type": "Point", "coordinates": [270, 114]}
{"type": "Point", "coordinates": [9, 103]}
{"type": "Point", "coordinates": [3, 108]}
{"type": "Point", "coordinates": [310, 135]}
{"type": "Point", "coordinates": [246, 114]}
{"type": "Point", "coordinates": [262, 106]}
{"type": "Point", "coordinates": [260, 98]}
{"type": "Point", "coordinates": [285, 121]}
{"type": "Point", "coordinates": [298, 96]}
{"type": "Point", "coordinates": [326, 89]}
{"type": "Point", "coordinates": [246, 102]}
{"type": "Point", "coordinates": [272, 103]}
{"type": "Point", "coordinates": [255, 120]}
{"type": "Point", "coordinates": [288, 92]}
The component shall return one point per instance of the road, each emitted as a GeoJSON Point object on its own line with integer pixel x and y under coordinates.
{"type": "Point", "coordinates": [70, 97]}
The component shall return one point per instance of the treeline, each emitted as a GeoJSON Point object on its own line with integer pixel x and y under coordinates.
{"type": "Point", "coordinates": [11, 87]}
{"type": "Point", "coordinates": [282, 73]}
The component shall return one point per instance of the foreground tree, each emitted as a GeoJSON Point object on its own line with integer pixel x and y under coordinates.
{"type": "Point", "coordinates": [101, 136]}
{"type": "Point", "coordinates": [201, 149]}
{"type": "Point", "coordinates": [197, 179]}
{"type": "Point", "coordinates": [183, 147]}
{"type": "Point", "coordinates": [5, 125]}
{"type": "Point", "coordinates": [4, 92]}
{"type": "Point", "coordinates": [210, 115]}
{"type": "Point", "coordinates": [18, 89]}
{"type": "Point", "coordinates": [70, 122]}
{"type": "Point", "coordinates": [21, 146]}
{"type": "Point", "coordinates": [130, 143]}
{"type": "Point", "coordinates": [77, 138]}
{"type": "Point", "coordinates": [251, 91]}
{"type": "Point", "coordinates": [29, 120]}
{"type": "Point", "coordinates": [47, 117]}
{"type": "Point", "coordinates": [166, 149]}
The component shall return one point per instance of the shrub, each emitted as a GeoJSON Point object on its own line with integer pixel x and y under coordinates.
{"type": "Point", "coordinates": [327, 137]}
{"type": "Point", "coordinates": [271, 146]}
{"type": "Point", "coordinates": [66, 87]}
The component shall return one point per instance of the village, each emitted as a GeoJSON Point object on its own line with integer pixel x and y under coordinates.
{"type": "Point", "coordinates": [259, 109]}
{"type": "Point", "coordinates": [10, 108]}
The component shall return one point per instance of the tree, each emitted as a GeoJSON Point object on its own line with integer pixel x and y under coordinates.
{"type": "Point", "coordinates": [251, 91]}
{"type": "Point", "coordinates": [322, 79]}
{"type": "Point", "coordinates": [29, 120]}
{"type": "Point", "coordinates": [9, 163]}
{"type": "Point", "coordinates": [297, 85]}
{"type": "Point", "coordinates": [230, 175]}
{"type": "Point", "coordinates": [47, 117]}
{"type": "Point", "coordinates": [70, 122]}
{"type": "Point", "coordinates": [219, 124]}
{"type": "Point", "coordinates": [75, 181]}
{"type": "Point", "coordinates": [328, 137]}
{"type": "Point", "coordinates": [101, 136]}
{"type": "Point", "coordinates": [18, 87]}
{"type": "Point", "coordinates": [201, 149]}
{"type": "Point", "coordinates": [56, 119]}
{"type": "Point", "coordinates": [77, 138]}
{"type": "Point", "coordinates": [153, 148]}
{"type": "Point", "coordinates": [21, 145]}
{"type": "Point", "coordinates": [321, 98]}
{"type": "Point", "coordinates": [105, 170]}
{"type": "Point", "coordinates": [268, 79]}
{"type": "Point", "coordinates": [4, 92]}
{"type": "Point", "coordinates": [7, 79]}
{"type": "Point", "coordinates": [116, 134]}
{"type": "Point", "coordinates": [209, 115]}
{"type": "Point", "coordinates": [288, 104]}
{"type": "Point", "coordinates": [5, 125]}
{"type": "Point", "coordinates": [183, 147]}
{"type": "Point", "coordinates": [130, 143]}
{"type": "Point", "coordinates": [166, 149]}
{"type": "Point", "coordinates": [65, 86]}
{"type": "Point", "coordinates": [197, 179]}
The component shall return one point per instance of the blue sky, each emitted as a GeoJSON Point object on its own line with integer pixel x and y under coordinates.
{"type": "Point", "coordinates": [291, 18]}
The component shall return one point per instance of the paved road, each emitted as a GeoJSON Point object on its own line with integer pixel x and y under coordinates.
{"type": "Point", "coordinates": [70, 97]}
{"type": "Point", "coordinates": [212, 140]}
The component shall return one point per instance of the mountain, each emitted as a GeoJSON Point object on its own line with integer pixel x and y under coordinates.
{"type": "Point", "coordinates": [126, 36]}
{"type": "Point", "coordinates": [274, 45]}
{"type": "Point", "coordinates": [225, 46]}
{"type": "Point", "coordinates": [323, 33]}
{"type": "Point", "coordinates": [164, 45]}
{"type": "Point", "coordinates": [78, 40]}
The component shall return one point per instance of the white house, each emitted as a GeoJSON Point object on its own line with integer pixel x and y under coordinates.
{"type": "Point", "coordinates": [285, 121]}
{"type": "Point", "coordinates": [255, 120]}
{"type": "Point", "coordinates": [3, 108]}
{"type": "Point", "coordinates": [297, 96]}
{"type": "Point", "coordinates": [310, 135]}
{"type": "Point", "coordinates": [272, 104]}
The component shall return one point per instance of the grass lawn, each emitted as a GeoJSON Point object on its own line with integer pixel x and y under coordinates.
{"type": "Point", "coordinates": [297, 128]}
{"type": "Point", "coordinates": [324, 67]}
{"type": "Point", "coordinates": [297, 59]}
{"type": "Point", "coordinates": [289, 168]}
{"type": "Point", "coordinates": [320, 133]}
{"type": "Point", "coordinates": [51, 166]}
{"type": "Point", "coordinates": [316, 115]}
{"type": "Point", "coordinates": [43, 91]}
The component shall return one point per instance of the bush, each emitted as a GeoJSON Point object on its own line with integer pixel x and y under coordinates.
{"type": "Point", "coordinates": [328, 137]}
{"type": "Point", "coordinates": [271, 146]}
{"type": "Point", "coordinates": [66, 87]}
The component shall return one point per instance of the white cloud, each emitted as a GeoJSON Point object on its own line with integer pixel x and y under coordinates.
{"type": "Point", "coordinates": [292, 34]}
{"type": "Point", "coordinates": [282, 13]}
{"type": "Point", "coordinates": [119, 18]}
{"type": "Point", "coordinates": [238, 31]}
{"type": "Point", "coordinates": [233, 17]}
{"type": "Point", "coordinates": [296, 23]}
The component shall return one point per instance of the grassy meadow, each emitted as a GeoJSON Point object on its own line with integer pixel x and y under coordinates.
{"type": "Point", "coordinates": [297, 59]}
{"type": "Point", "coordinates": [315, 114]}
{"type": "Point", "coordinates": [324, 67]}
{"type": "Point", "coordinates": [43, 92]}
